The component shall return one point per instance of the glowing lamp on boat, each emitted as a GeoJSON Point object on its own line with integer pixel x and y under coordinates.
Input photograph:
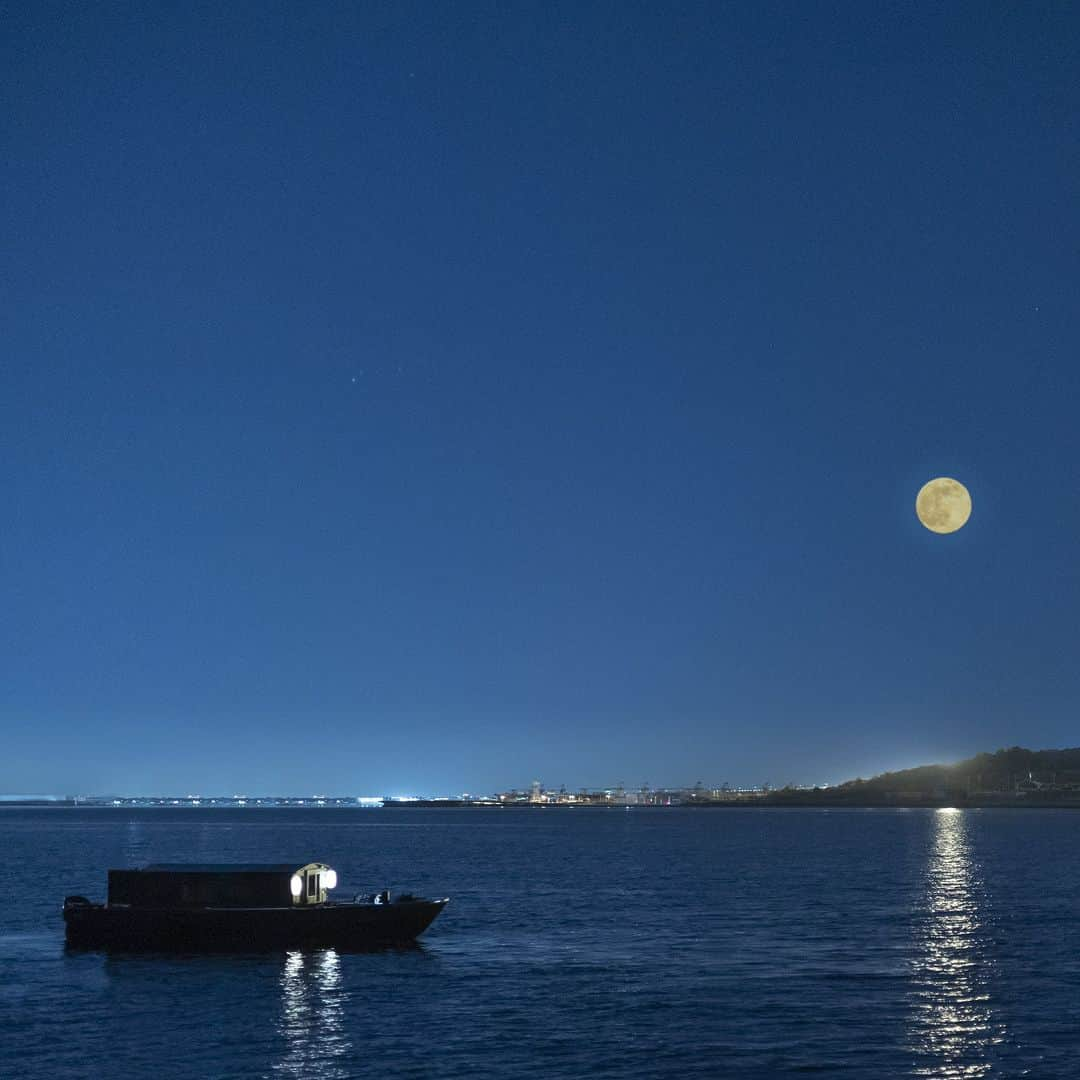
{"type": "Point", "coordinates": [296, 885]}
{"type": "Point", "coordinates": [329, 879]}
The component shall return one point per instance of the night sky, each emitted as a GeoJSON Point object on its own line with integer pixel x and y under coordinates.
{"type": "Point", "coordinates": [427, 398]}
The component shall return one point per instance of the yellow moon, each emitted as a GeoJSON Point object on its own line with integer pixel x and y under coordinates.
{"type": "Point", "coordinates": [943, 505]}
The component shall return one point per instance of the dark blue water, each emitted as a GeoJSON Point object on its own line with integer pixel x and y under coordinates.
{"type": "Point", "coordinates": [741, 943]}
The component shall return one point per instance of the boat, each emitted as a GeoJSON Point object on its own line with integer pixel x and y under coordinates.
{"type": "Point", "coordinates": [241, 907]}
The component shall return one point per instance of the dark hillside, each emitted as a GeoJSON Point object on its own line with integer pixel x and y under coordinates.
{"type": "Point", "coordinates": [1013, 773]}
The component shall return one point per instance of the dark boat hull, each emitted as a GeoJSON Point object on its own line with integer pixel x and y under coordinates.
{"type": "Point", "coordinates": [337, 926]}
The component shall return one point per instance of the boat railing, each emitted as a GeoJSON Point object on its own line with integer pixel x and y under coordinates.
{"type": "Point", "coordinates": [372, 898]}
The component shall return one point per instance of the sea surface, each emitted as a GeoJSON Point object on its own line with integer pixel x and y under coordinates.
{"type": "Point", "coordinates": [578, 943]}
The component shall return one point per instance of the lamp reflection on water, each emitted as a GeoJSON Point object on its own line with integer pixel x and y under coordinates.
{"type": "Point", "coordinates": [951, 1027]}
{"type": "Point", "coordinates": [313, 1017]}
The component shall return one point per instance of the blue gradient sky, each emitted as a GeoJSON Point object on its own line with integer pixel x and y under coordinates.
{"type": "Point", "coordinates": [430, 397]}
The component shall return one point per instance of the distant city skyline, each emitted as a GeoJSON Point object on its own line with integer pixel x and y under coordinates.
{"type": "Point", "coordinates": [413, 397]}
{"type": "Point", "coordinates": [392, 795]}
{"type": "Point", "coordinates": [1008, 776]}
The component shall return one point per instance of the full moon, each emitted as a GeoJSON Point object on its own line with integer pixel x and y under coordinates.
{"type": "Point", "coordinates": [943, 505]}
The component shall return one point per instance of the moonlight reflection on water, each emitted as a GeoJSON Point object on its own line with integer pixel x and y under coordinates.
{"type": "Point", "coordinates": [952, 1028]}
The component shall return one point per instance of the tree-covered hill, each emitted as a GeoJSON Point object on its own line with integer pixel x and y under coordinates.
{"type": "Point", "coordinates": [1017, 772]}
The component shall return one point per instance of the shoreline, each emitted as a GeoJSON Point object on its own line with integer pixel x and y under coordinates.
{"type": "Point", "coordinates": [439, 804]}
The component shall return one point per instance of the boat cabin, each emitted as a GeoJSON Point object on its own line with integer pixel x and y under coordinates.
{"type": "Point", "coordinates": [217, 885]}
